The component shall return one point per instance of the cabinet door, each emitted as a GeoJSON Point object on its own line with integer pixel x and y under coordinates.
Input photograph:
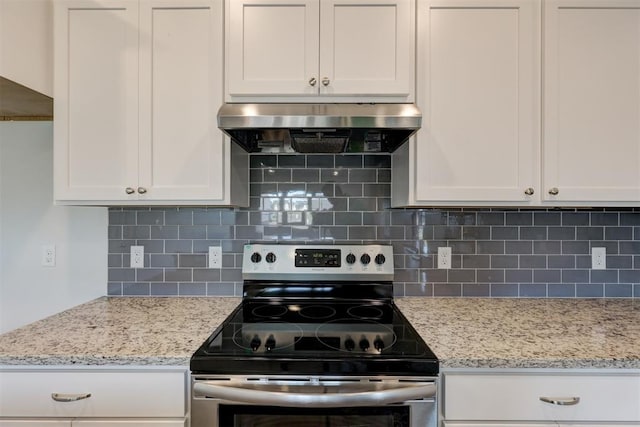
{"type": "Point", "coordinates": [272, 47]}
{"type": "Point", "coordinates": [181, 149]}
{"type": "Point", "coordinates": [592, 101]}
{"type": "Point", "coordinates": [478, 90]}
{"type": "Point", "coordinates": [96, 99]}
{"type": "Point", "coordinates": [367, 47]}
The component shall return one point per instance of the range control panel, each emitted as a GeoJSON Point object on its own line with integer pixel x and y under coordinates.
{"type": "Point", "coordinates": [328, 262]}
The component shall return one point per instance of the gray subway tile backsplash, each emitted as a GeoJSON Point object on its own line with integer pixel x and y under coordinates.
{"type": "Point", "coordinates": [499, 253]}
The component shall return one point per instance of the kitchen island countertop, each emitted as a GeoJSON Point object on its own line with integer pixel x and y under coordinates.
{"type": "Point", "coordinates": [462, 332]}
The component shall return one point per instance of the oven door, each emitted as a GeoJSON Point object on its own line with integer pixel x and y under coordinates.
{"type": "Point", "coordinates": [310, 402]}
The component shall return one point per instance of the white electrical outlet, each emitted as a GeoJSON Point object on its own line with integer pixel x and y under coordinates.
{"type": "Point", "coordinates": [599, 258]}
{"type": "Point", "coordinates": [137, 256]}
{"type": "Point", "coordinates": [49, 255]}
{"type": "Point", "coordinates": [444, 257]}
{"type": "Point", "coordinates": [215, 257]}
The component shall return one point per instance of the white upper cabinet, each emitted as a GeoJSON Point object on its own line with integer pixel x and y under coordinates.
{"type": "Point", "coordinates": [591, 139]}
{"type": "Point", "coordinates": [477, 87]}
{"type": "Point", "coordinates": [138, 85]}
{"type": "Point", "coordinates": [96, 99]}
{"type": "Point", "coordinates": [320, 50]}
{"type": "Point", "coordinates": [510, 123]}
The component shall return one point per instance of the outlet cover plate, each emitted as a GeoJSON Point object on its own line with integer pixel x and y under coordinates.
{"type": "Point", "coordinates": [137, 256]}
{"type": "Point", "coordinates": [215, 257]}
{"type": "Point", "coordinates": [444, 257]}
{"type": "Point", "coordinates": [599, 258]}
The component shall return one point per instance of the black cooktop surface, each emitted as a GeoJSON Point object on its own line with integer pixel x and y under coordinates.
{"type": "Point", "coordinates": [277, 330]}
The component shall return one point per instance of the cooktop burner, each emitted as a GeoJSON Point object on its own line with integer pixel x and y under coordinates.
{"type": "Point", "coordinates": [297, 323]}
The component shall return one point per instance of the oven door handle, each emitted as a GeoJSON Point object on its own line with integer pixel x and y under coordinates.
{"type": "Point", "coordinates": [324, 399]}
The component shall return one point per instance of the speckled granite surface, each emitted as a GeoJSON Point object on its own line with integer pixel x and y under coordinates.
{"type": "Point", "coordinates": [118, 331]}
{"type": "Point", "coordinates": [528, 333]}
{"type": "Point", "coordinates": [463, 332]}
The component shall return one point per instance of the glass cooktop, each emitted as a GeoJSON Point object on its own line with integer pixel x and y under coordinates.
{"type": "Point", "coordinates": [277, 330]}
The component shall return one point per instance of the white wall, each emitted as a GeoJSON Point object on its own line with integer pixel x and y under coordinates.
{"type": "Point", "coordinates": [26, 43]}
{"type": "Point", "coordinates": [28, 220]}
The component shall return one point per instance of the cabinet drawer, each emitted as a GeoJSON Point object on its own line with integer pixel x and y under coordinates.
{"type": "Point", "coordinates": [113, 393]}
{"type": "Point", "coordinates": [516, 397]}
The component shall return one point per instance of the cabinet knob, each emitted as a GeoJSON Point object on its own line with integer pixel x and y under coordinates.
{"type": "Point", "coordinates": [129, 190]}
{"type": "Point", "coordinates": [312, 81]}
{"type": "Point", "coordinates": [554, 191]}
{"type": "Point", "coordinates": [529, 191]}
{"type": "Point", "coordinates": [326, 81]}
{"type": "Point", "coordinates": [142, 190]}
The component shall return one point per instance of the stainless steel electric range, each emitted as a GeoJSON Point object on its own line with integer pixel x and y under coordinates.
{"type": "Point", "coordinates": [316, 341]}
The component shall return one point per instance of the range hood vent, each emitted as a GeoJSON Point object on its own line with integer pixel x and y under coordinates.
{"type": "Point", "coordinates": [319, 128]}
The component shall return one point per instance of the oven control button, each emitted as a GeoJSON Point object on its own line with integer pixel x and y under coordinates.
{"type": "Point", "coordinates": [364, 344]}
{"type": "Point", "coordinates": [271, 257]}
{"type": "Point", "coordinates": [365, 259]}
{"type": "Point", "coordinates": [351, 258]}
{"type": "Point", "coordinates": [349, 344]}
{"type": "Point", "coordinates": [255, 343]}
{"type": "Point", "coordinates": [256, 257]}
{"type": "Point", "coordinates": [270, 343]}
{"type": "Point", "coordinates": [380, 259]}
{"type": "Point", "coordinates": [378, 344]}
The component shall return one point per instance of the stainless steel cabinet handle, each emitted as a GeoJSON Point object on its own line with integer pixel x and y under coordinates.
{"type": "Point", "coordinates": [142, 190]}
{"type": "Point", "coordinates": [324, 399]}
{"type": "Point", "coordinates": [554, 191]}
{"type": "Point", "coordinates": [312, 81]}
{"type": "Point", "coordinates": [129, 190]}
{"type": "Point", "coordinates": [61, 397]}
{"type": "Point", "coordinates": [326, 81]}
{"type": "Point", "coordinates": [529, 191]}
{"type": "Point", "coordinates": [562, 401]}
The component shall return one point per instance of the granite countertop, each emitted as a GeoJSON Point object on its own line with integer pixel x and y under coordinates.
{"type": "Point", "coordinates": [118, 331]}
{"type": "Point", "coordinates": [462, 332]}
{"type": "Point", "coordinates": [528, 333]}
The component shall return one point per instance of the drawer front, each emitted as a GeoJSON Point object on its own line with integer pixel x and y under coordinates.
{"type": "Point", "coordinates": [35, 423]}
{"type": "Point", "coordinates": [131, 423]}
{"type": "Point", "coordinates": [516, 397]}
{"type": "Point", "coordinates": [113, 393]}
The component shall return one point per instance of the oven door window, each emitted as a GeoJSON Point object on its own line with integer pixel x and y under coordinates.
{"type": "Point", "coordinates": [267, 416]}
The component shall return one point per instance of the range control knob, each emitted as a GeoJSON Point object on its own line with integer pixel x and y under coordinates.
{"type": "Point", "coordinates": [365, 259]}
{"type": "Point", "coordinates": [364, 344]}
{"type": "Point", "coordinates": [270, 343]}
{"type": "Point", "coordinates": [351, 258]}
{"type": "Point", "coordinates": [255, 343]}
{"type": "Point", "coordinates": [380, 259]}
{"type": "Point", "coordinates": [271, 257]}
{"type": "Point", "coordinates": [378, 344]}
{"type": "Point", "coordinates": [256, 257]}
{"type": "Point", "coordinates": [349, 344]}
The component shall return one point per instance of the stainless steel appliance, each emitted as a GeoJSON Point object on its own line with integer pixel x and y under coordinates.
{"type": "Point", "coordinates": [320, 128]}
{"type": "Point", "coordinates": [316, 341]}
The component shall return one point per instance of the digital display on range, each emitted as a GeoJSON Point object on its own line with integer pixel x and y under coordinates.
{"type": "Point", "coordinates": [317, 258]}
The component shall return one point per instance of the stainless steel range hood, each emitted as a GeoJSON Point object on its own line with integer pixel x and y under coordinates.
{"type": "Point", "coordinates": [319, 128]}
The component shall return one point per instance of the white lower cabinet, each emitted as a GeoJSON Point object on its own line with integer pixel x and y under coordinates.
{"type": "Point", "coordinates": [93, 423]}
{"type": "Point", "coordinates": [540, 397]}
{"type": "Point", "coordinates": [130, 423]}
{"type": "Point", "coordinates": [551, 424]}
{"type": "Point", "coordinates": [97, 397]}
